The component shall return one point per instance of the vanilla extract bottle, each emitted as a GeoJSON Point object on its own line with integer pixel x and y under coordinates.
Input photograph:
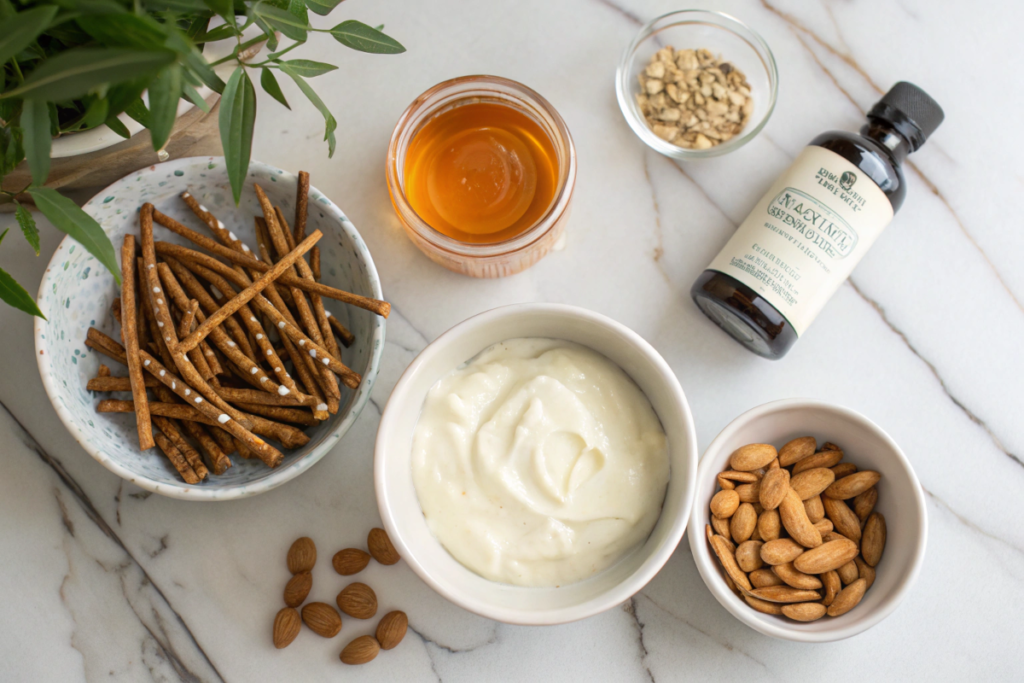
{"type": "Point", "coordinates": [806, 235]}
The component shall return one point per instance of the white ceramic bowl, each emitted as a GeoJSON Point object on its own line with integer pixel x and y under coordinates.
{"type": "Point", "coordinates": [76, 292]}
{"type": "Point", "coordinates": [864, 444]}
{"type": "Point", "coordinates": [400, 508]}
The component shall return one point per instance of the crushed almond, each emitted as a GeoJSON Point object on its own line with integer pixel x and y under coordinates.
{"type": "Point", "coordinates": [693, 99]}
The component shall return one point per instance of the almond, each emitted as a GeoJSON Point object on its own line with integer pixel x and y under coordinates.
{"type": "Point", "coordinates": [796, 450]}
{"type": "Point", "coordinates": [726, 484]}
{"type": "Point", "coordinates": [391, 629]}
{"type": "Point", "coordinates": [302, 555]}
{"type": "Point", "coordinates": [826, 557]}
{"type": "Point", "coordinates": [873, 542]}
{"type": "Point", "coordinates": [721, 526]}
{"type": "Point", "coordinates": [810, 483]}
{"type": "Point", "coordinates": [709, 532]}
{"type": "Point", "coordinates": [804, 611]}
{"type": "Point", "coordinates": [756, 536]}
{"type": "Point", "coordinates": [286, 627]}
{"type": "Point", "coordinates": [848, 598]}
{"type": "Point", "coordinates": [848, 573]}
{"type": "Point", "coordinates": [845, 521]}
{"type": "Point", "coordinates": [742, 524]}
{"type": "Point", "coordinates": [752, 457]}
{"type": "Point", "coordinates": [794, 519]}
{"type": "Point", "coordinates": [774, 486]}
{"type": "Point", "coordinates": [768, 525]}
{"type": "Point", "coordinates": [724, 504]}
{"type": "Point", "coordinates": [774, 465]}
{"type": "Point", "coordinates": [832, 536]}
{"type": "Point", "coordinates": [759, 578]}
{"type": "Point", "coordinates": [829, 446]}
{"type": "Point", "coordinates": [350, 561]}
{"type": "Point", "coordinates": [322, 619]}
{"type": "Point", "coordinates": [748, 555]}
{"type": "Point", "coordinates": [821, 459]}
{"type": "Point", "coordinates": [725, 555]}
{"type": "Point", "coordinates": [843, 469]}
{"type": "Point", "coordinates": [741, 477]}
{"type": "Point", "coordinates": [815, 510]}
{"type": "Point", "coordinates": [763, 606]}
{"type": "Point", "coordinates": [823, 527]}
{"type": "Point", "coordinates": [749, 493]}
{"type": "Point", "coordinates": [795, 578]}
{"type": "Point", "coordinates": [297, 588]}
{"type": "Point", "coordinates": [784, 594]}
{"type": "Point", "coordinates": [730, 585]}
{"type": "Point", "coordinates": [853, 484]}
{"type": "Point", "coordinates": [833, 585]}
{"type": "Point", "coordinates": [381, 548]}
{"type": "Point", "coordinates": [864, 503]}
{"type": "Point", "coordinates": [781, 551]}
{"type": "Point", "coordinates": [358, 600]}
{"type": "Point", "coordinates": [360, 651]}
{"type": "Point", "coordinates": [865, 570]}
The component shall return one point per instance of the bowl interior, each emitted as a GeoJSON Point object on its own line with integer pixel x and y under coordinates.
{"type": "Point", "coordinates": [900, 500]}
{"type": "Point", "coordinates": [399, 505]}
{"type": "Point", "coordinates": [724, 36]}
{"type": "Point", "coordinates": [77, 292]}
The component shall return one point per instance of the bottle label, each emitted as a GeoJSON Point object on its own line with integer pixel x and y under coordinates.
{"type": "Point", "coordinates": [806, 235]}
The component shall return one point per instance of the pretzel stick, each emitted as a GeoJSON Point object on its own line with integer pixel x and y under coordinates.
{"type": "Point", "coordinates": [280, 236]}
{"type": "Point", "coordinates": [107, 383]}
{"type": "Point", "coordinates": [301, 205]}
{"type": "Point", "coordinates": [177, 459]}
{"type": "Point", "coordinates": [175, 276]}
{"type": "Point", "coordinates": [289, 436]}
{"type": "Point", "coordinates": [250, 292]}
{"type": "Point", "coordinates": [282, 414]}
{"type": "Point", "coordinates": [198, 355]}
{"type": "Point", "coordinates": [346, 337]}
{"type": "Point", "coordinates": [104, 371]}
{"type": "Point", "coordinates": [381, 308]}
{"type": "Point", "coordinates": [243, 450]}
{"type": "Point", "coordinates": [219, 462]}
{"type": "Point", "coordinates": [250, 396]}
{"type": "Point", "coordinates": [223, 439]}
{"type": "Point", "coordinates": [98, 341]}
{"type": "Point", "coordinates": [187, 318]}
{"type": "Point", "coordinates": [130, 333]}
{"type": "Point", "coordinates": [172, 432]}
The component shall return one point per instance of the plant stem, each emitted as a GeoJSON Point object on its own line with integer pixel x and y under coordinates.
{"type": "Point", "coordinates": [239, 48]}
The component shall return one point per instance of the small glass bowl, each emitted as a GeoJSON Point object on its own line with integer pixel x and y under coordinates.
{"type": "Point", "coordinates": [496, 259]}
{"type": "Point", "coordinates": [723, 35]}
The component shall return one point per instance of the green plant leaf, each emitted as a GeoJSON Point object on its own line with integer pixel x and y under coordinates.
{"type": "Point", "coordinates": [359, 36]}
{"type": "Point", "coordinates": [194, 60]}
{"type": "Point", "coordinates": [95, 114]}
{"type": "Point", "coordinates": [15, 295]}
{"type": "Point", "coordinates": [137, 110]}
{"type": "Point", "coordinates": [307, 68]}
{"type": "Point", "coordinates": [164, 93]}
{"type": "Point", "coordinates": [74, 73]}
{"type": "Point", "coordinates": [297, 8]}
{"type": "Point", "coordinates": [179, 6]}
{"type": "Point", "coordinates": [28, 226]}
{"type": "Point", "coordinates": [54, 119]}
{"type": "Point", "coordinates": [222, 32]}
{"type": "Point", "coordinates": [331, 123]}
{"type": "Point", "coordinates": [115, 124]}
{"type": "Point", "coordinates": [237, 119]}
{"type": "Point", "coordinates": [272, 87]}
{"type": "Point", "coordinates": [288, 24]}
{"type": "Point", "coordinates": [124, 30]}
{"type": "Point", "coordinates": [19, 31]}
{"type": "Point", "coordinates": [197, 27]}
{"type": "Point", "coordinates": [225, 8]}
{"type": "Point", "coordinates": [121, 96]}
{"type": "Point", "coordinates": [194, 97]}
{"type": "Point", "coordinates": [322, 7]}
{"type": "Point", "coordinates": [35, 122]}
{"type": "Point", "coordinates": [11, 150]}
{"type": "Point", "coordinates": [68, 218]}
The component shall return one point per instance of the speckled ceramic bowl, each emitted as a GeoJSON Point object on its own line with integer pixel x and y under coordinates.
{"type": "Point", "coordinates": [77, 292]}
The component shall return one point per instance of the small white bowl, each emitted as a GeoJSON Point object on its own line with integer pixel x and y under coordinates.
{"type": "Point", "coordinates": [76, 293]}
{"type": "Point", "coordinates": [900, 500]}
{"type": "Point", "coordinates": [399, 504]}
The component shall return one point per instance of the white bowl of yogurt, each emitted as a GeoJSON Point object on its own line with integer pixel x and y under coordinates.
{"type": "Point", "coordinates": [536, 464]}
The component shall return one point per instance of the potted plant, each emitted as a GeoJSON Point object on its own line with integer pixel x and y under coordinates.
{"type": "Point", "coordinates": [80, 64]}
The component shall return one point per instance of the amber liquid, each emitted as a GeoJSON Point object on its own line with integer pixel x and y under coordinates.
{"type": "Point", "coordinates": [481, 173]}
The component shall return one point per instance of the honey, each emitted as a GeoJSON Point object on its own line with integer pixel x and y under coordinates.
{"type": "Point", "coordinates": [481, 173]}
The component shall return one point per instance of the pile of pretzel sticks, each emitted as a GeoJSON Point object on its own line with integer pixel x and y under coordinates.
{"type": "Point", "coordinates": [216, 336]}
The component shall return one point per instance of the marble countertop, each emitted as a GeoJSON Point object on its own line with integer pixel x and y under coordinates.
{"type": "Point", "coordinates": [103, 581]}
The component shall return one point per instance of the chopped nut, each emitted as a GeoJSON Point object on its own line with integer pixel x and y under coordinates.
{"type": "Point", "coordinates": [693, 99]}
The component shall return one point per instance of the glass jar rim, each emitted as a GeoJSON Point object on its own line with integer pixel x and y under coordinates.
{"type": "Point", "coordinates": [462, 89]}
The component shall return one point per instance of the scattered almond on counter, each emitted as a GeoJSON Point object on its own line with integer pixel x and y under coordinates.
{"type": "Point", "coordinates": [297, 589]}
{"type": "Point", "coordinates": [358, 600]}
{"type": "Point", "coordinates": [322, 619]}
{"type": "Point", "coordinates": [381, 548]}
{"type": "Point", "coordinates": [361, 650]}
{"type": "Point", "coordinates": [302, 555]}
{"type": "Point", "coordinates": [786, 537]}
{"type": "Point", "coordinates": [350, 561]}
{"type": "Point", "coordinates": [391, 629]}
{"type": "Point", "coordinates": [286, 627]}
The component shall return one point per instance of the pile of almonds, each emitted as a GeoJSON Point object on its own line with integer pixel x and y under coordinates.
{"type": "Point", "coordinates": [783, 528]}
{"type": "Point", "coordinates": [357, 600]}
{"type": "Point", "coordinates": [693, 99]}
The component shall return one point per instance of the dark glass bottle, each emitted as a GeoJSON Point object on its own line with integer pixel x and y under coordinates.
{"type": "Point", "coordinates": [807, 233]}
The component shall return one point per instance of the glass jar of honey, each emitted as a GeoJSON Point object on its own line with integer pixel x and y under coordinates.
{"type": "Point", "coordinates": [481, 171]}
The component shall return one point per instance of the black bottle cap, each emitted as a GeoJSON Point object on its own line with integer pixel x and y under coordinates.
{"type": "Point", "coordinates": [911, 111]}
